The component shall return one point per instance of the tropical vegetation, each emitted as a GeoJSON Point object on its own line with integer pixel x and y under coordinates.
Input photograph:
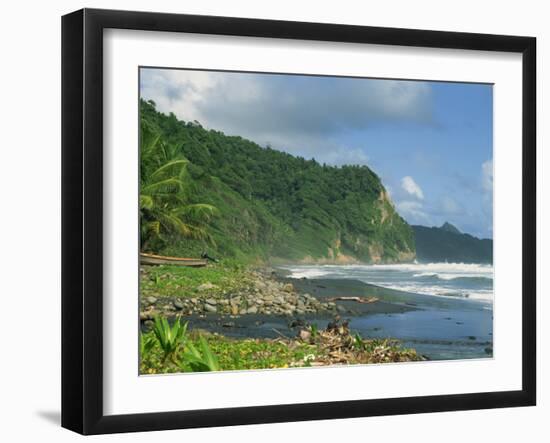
{"type": "Point", "coordinates": [166, 194]}
{"type": "Point", "coordinates": [200, 351]}
{"type": "Point", "coordinates": [202, 189]}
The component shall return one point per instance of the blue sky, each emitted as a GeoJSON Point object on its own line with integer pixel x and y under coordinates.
{"type": "Point", "coordinates": [430, 142]}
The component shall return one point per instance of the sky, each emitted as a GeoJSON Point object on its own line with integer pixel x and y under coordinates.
{"type": "Point", "coordinates": [431, 143]}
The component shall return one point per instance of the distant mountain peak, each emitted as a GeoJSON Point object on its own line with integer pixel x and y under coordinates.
{"type": "Point", "coordinates": [450, 228]}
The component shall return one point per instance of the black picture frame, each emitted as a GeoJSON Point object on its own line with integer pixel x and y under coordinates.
{"type": "Point", "coordinates": [82, 218]}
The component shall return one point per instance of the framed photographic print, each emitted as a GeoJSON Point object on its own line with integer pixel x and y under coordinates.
{"type": "Point", "coordinates": [269, 221]}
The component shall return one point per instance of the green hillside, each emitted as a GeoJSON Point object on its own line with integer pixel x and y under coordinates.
{"type": "Point", "coordinates": [447, 243]}
{"type": "Point", "coordinates": [272, 205]}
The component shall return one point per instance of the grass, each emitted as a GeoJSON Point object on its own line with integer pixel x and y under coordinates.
{"type": "Point", "coordinates": [181, 281]}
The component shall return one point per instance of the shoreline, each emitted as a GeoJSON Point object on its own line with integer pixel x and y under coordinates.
{"type": "Point", "coordinates": [258, 319]}
{"type": "Point", "coordinates": [221, 302]}
{"type": "Point", "coordinates": [270, 293]}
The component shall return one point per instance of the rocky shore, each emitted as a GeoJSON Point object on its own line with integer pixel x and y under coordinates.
{"type": "Point", "coordinates": [263, 294]}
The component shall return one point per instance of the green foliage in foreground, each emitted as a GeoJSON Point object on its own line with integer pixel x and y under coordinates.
{"type": "Point", "coordinates": [227, 354]}
{"type": "Point", "coordinates": [201, 351]}
{"type": "Point", "coordinates": [171, 346]}
{"type": "Point", "coordinates": [199, 359]}
{"type": "Point", "coordinates": [182, 281]}
{"type": "Point", "coordinates": [271, 204]}
{"type": "Point", "coordinates": [169, 337]}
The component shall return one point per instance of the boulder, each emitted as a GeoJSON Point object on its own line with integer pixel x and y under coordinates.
{"type": "Point", "coordinates": [210, 308]}
{"type": "Point", "coordinates": [288, 287]}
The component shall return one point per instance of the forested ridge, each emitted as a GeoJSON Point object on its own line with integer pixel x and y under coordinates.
{"type": "Point", "coordinates": [248, 201]}
{"type": "Point", "coordinates": [448, 244]}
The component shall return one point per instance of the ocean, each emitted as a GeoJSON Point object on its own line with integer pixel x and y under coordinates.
{"type": "Point", "coordinates": [474, 281]}
{"type": "Point", "coordinates": [453, 316]}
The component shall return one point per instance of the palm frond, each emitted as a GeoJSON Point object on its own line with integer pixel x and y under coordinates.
{"type": "Point", "coordinates": [171, 169]}
{"type": "Point", "coordinates": [167, 185]}
{"type": "Point", "coordinates": [146, 202]}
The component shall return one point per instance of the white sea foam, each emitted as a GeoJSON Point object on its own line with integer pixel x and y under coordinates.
{"type": "Point", "coordinates": [473, 281]}
{"type": "Point", "coordinates": [474, 294]}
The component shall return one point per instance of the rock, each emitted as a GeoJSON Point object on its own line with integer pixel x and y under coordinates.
{"type": "Point", "coordinates": [178, 304]}
{"type": "Point", "coordinates": [304, 334]}
{"type": "Point", "coordinates": [242, 312]}
{"type": "Point", "coordinates": [211, 301]}
{"type": "Point", "coordinates": [210, 308]}
{"type": "Point", "coordinates": [296, 323]}
{"type": "Point", "coordinates": [252, 310]}
{"type": "Point", "coordinates": [288, 287]}
{"type": "Point", "coordinates": [145, 316]}
{"type": "Point", "coordinates": [300, 311]}
{"type": "Point", "coordinates": [340, 309]}
{"type": "Point", "coordinates": [260, 285]}
{"type": "Point", "coordinates": [149, 324]}
{"type": "Point", "coordinates": [206, 286]}
{"type": "Point", "coordinates": [151, 300]}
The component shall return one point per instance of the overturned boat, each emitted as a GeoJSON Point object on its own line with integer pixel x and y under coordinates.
{"type": "Point", "coordinates": [152, 259]}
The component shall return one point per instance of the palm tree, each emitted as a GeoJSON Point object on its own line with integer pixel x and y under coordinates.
{"type": "Point", "coordinates": [165, 192]}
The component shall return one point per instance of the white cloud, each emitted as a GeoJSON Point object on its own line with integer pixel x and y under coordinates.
{"type": "Point", "coordinates": [487, 175]}
{"type": "Point", "coordinates": [411, 187]}
{"type": "Point", "coordinates": [301, 115]}
{"type": "Point", "coordinates": [413, 211]}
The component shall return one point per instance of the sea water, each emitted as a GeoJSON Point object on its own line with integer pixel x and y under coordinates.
{"type": "Point", "coordinates": [453, 316]}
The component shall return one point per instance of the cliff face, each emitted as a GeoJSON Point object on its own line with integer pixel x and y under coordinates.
{"type": "Point", "coordinates": [447, 243]}
{"type": "Point", "coordinates": [275, 205]}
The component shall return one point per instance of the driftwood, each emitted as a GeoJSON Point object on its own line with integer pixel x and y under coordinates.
{"type": "Point", "coordinates": [357, 299]}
